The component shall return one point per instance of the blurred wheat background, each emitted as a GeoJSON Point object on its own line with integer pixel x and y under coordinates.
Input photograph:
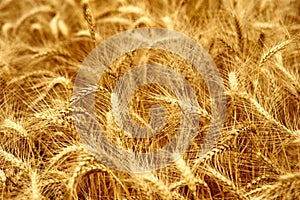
{"type": "Point", "coordinates": [255, 46]}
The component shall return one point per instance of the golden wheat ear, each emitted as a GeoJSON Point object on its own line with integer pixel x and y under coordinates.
{"type": "Point", "coordinates": [87, 13]}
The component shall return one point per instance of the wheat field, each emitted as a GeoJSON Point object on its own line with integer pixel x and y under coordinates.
{"type": "Point", "coordinates": [255, 45]}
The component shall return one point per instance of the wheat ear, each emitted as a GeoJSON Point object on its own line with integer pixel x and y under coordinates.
{"type": "Point", "coordinates": [89, 19]}
{"type": "Point", "coordinates": [85, 166]}
{"type": "Point", "coordinates": [269, 163]}
{"type": "Point", "coordinates": [233, 81]}
{"type": "Point", "coordinates": [35, 189]}
{"type": "Point", "coordinates": [15, 126]}
{"type": "Point", "coordinates": [270, 53]}
{"type": "Point", "coordinates": [265, 113]}
{"type": "Point", "coordinates": [239, 32]}
{"type": "Point", "coordinates": [38, 73]}
{"type": "Point", "coordinates": [3, 180]}
{"type": "Point", "coordinates": [188, 175]}
{"type": "Point", "coordinates": [12, 159]}
{"type": "Point", "coordinates": [257, 180]}
{"type": "Point", "coordinates": [33, 12]}
{"type": "Point", "coordinates": [226, 182]}
{"type": "Point", "coordinates": [155, 184]}
{"type": "Point", "coordinates": [58, 80]}
{"type": "Point", "coordinates": [63, 153]}
{"type": "Point", "coordinates": [51, 53]}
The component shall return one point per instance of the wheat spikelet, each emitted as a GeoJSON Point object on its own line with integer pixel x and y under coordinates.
{"type": "Point", "coordinates": [273, 87]}
{"type": "Point", "coordinates": [87, 91]}
{"type": "Point", "coordinates": [52, 178]}
{"type": "Point", "coordinates": [215, 152]}
{"type": "Point", "coordinates": [291, 77]}
{"type": "Point", "coordinates": [296, 140]}
{"type": "Point", "coordinates": [269, 117]}
{"type": "Point", "coordinates": [56, 186]}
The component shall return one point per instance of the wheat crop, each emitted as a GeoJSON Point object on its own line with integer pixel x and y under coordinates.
{"type": "Point", "coordinates": [255, 46]}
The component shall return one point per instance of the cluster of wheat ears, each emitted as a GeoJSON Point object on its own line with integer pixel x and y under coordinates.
{"type": "Point", "coordinates": [255, 46]}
